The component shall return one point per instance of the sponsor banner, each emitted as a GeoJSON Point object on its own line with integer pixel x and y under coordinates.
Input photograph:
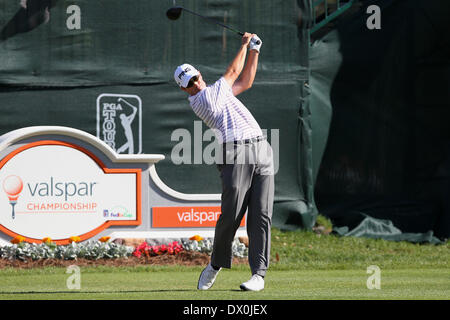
{"type": "Point", "coordinates": [58, 190]}
{"type": "Point", "coordinates": [186, 217]}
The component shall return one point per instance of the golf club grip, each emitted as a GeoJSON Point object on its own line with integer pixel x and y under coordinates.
{"type": "Point", "coordinates": [242, 34]}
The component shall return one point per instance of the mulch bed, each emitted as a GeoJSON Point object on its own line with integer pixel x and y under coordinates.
{"type": "Point", "coordinates": [185, 258]}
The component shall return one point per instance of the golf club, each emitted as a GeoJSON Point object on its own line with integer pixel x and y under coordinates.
{"type": "Point", "coordinates": [175, 12]}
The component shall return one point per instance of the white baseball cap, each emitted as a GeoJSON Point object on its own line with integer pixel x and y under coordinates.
{"type": "Point", "coordinates": [184, 73]}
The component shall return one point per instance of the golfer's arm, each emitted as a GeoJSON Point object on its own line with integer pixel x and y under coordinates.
{"type": "Point", "coordinates": [245, 82]}
{"type": "Point", "coordinates": [131, 116]}
{"type": "Point", "coordinates": [236, 66]}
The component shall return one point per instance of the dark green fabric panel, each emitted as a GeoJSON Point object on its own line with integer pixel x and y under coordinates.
{"type": "Point", "coordinates": [136, 43]}
{"type": "Point", "coordinates": [361, 114]}
{"type": "Point", "coordinates": [387, 153]}
{"type": "Point", "coordinates": [51, 75]}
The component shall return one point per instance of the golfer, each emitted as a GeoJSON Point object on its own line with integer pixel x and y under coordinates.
{"type": "Point", "coordinates": [246, 168]}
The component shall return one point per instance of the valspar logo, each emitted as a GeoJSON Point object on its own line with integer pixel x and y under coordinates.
{"type": "Point", "coordinates": [119, 122]}
{"type": "Point", "coordinates": [198, 216]}
{"type": "Point", "coordinates": [51, 196]}
{"type": "Point", "coordinates": [64, 189]}
{"type": "Point", "coordinates": [181, 217]}
{"type": "Point", "coordinates": [58, 189]}
{"type": "Point", "coordinates": [13, 185]}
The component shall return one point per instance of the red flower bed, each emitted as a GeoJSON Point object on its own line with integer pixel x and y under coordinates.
{"type": "Point", "coordinates": [146, 250]}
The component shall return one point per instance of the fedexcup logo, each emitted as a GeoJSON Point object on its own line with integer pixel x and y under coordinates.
{"type": "Point", "coordinates": [12, 185]}
{"type": "Point", "coordinates": [119, 122]}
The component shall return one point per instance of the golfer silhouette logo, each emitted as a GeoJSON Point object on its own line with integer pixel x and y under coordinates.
{"type": "Point", "coordinates": [12, 185]}
{"type": "Point", "coordinates": [119, 122]}
{"type": "Point", "coordinates": [126, 121]}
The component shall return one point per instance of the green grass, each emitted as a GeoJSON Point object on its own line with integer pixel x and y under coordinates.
{"type": "Point", "coordinates": [307, 250]}
{"type": "Point", "coordinates": [172, 283]}
{"type": "Point", "coordinates": [309, 266]}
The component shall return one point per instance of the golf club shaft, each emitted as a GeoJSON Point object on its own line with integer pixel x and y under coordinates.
{"type": "Point", "coordinates": [214, 21]}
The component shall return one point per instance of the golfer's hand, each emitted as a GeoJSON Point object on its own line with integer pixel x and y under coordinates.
{"type": "Point", "coordinates": [253, 43]}
{"type": "Point", "coordinates": [246, 38]}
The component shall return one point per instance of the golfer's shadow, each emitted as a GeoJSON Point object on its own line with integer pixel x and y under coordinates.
{"type": "Point", "coordinates": [30, 15]}
{"type": "Point", "coordinates": [109, 292]}
{"type": "Point", "coordinates": [89, 292]}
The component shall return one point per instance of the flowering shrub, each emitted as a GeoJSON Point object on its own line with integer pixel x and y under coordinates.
{"type": "Point", "coordinates": [146, 250]}
{"type": "Point", "coordinates": [17, 240]}
{"type": "Point", "coordinates": [89, 250]}
{"type": "Point", "coordinates": [238, 249]}
{"type": "Point", "coordinates": [104, 249]}
{"type": "Point", "coordinates": [74, 239]}
{"type": "Point", "coordinates": [196, 238]}
{"type": "Point", "coordinates": [203, 245]}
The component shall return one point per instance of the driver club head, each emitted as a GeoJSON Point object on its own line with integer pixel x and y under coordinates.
{"type": "Point", "coordinates": [174, 13]}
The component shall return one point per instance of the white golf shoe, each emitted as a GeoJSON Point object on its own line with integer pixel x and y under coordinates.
{"type": "Point", "coordinates": [256, 283]}
{"type": "Point", "coordinates": [207, 278]}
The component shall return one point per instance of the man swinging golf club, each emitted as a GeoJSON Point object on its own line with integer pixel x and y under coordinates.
{"type": "Point", "coordinates": [247, 170]}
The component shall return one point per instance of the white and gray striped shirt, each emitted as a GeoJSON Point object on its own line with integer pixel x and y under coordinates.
{"type": "Point", "coordinates": [221, 110]}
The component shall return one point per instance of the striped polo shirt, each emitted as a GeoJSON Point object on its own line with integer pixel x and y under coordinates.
{"type": "Point", "coordinates": [221, 110]}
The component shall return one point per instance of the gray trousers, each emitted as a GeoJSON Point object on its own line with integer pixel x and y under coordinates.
{"type": "Point", "coordinates": [247, 183]}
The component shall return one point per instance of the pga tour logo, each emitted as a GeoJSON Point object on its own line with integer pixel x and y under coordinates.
{"type": "Point", "coordinates": [119, 122]}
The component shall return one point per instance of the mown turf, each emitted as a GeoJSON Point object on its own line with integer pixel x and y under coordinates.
{"type": "Point", "coordinates": [179, 283]}
{"type": "Point", "coordinates": [304, 266]}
